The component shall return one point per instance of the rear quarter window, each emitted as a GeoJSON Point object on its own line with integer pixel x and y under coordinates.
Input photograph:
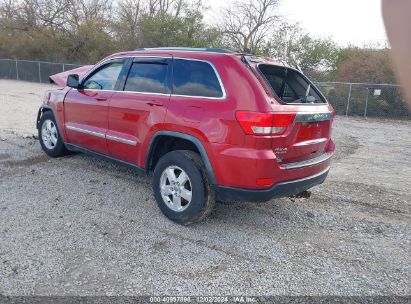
{"type": "Point", "coordinates": [195, 78]}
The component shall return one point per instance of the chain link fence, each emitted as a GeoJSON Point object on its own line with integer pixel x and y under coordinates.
{"type": "Point", "coordinates": [366, 99]}
{"type": "Point", "coordinates": [35, 71]}
{"type": "Point", "coordinates": [350, 99]}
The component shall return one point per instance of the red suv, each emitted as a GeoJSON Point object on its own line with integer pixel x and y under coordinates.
{"type": "Point", "coordinates": [210, 124]}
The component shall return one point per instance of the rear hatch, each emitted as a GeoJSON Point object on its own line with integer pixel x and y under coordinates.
{"type": "Point", "coordinates": [309, 130]}
{"type": "Point", "coordinates": [307, 137]}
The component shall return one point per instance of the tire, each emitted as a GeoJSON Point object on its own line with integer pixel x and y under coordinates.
{"type": "Point", "coordinates": [49, 136]}
{"type": "Point", "coordinates": [202, 195]}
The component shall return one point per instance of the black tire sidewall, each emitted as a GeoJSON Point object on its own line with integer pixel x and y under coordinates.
{"type": "Point", "coordinates": [199, 192]}
{"type": "Point", "coordinates": [59, 149]}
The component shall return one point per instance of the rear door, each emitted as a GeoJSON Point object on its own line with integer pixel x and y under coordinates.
{"type": "Point", "coordinates": [138, 107]}
{"type": "Point", "coordinates": [86, 108]}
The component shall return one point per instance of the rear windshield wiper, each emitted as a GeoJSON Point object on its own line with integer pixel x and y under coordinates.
{"type": "Point", "coordinates": [308, 90]}
{"type": "Point", "coordinates": [307, 98]}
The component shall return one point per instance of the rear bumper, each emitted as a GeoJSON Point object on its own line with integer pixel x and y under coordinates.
{"type": "Point", "coordinates": [284, 189]}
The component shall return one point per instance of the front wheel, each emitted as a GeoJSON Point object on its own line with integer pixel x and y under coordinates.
{"type": "Point", "coordinates": [49, 136]}
{"type": "Point", "coordinates": [181, 187]}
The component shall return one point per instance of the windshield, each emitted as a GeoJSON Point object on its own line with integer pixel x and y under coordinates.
{"type": "Point", "coordinates": [289, 85]}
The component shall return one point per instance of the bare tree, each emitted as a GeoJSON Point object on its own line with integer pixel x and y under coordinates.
{"type": "Point", "coordinates": [87, 30]}
{"type": "Point", "coordinates": [81, 11]}
{"type": "Point", "coordinates": [48, 13]}
{"type": "Point", "coordinates": [29, 14]}
{"type": "Point", "coordinates": [246, 24]}
{"type": "Point", "coordinates": [126, 28]}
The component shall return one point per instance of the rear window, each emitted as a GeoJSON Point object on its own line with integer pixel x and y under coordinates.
{"type": "Point", "coordinates": [195, 78]}
{"type": "Point", "coordinates": [289, 85]}
{"type": "Point", "coordinates": [147, 78]}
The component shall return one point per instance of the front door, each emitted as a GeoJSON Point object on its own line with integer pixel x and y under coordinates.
{"type": "Point", "coordinates": [136, 111]}
{"type": "Point", "coordinates": [86, 108]}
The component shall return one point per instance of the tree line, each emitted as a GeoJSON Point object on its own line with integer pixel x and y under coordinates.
{"type": "Point", "coordinates": [84, 31]}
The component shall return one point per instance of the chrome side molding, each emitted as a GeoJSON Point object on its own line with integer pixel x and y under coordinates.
{"type": "Point", "coordinates": [97, 134]}
{"type": "Point", "coordinates": [102, 135]}
{"type": "Point", "coordinates": [122, 140]}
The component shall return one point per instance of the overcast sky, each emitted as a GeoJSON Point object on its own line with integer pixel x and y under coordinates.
{"type": "Point", "coordinates": [358, 22]}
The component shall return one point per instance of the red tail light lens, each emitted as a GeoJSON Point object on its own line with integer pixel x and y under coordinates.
{"type": "Point", "coordinates": [281, 121]}
{"type": "Point", "coordinates": [256, 123]}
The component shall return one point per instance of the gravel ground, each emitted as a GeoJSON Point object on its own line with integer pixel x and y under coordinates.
{"type": "Point", "coordinates": [19, 103]}
{"type": "Point", "coordinates": [81, 226]}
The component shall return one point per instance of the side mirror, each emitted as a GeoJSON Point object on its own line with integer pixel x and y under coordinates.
{"type": "Point", "coordinates": [73, 81]}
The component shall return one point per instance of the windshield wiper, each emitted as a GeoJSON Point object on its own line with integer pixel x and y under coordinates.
{"type": "Point", "coordinates": [307, 98]}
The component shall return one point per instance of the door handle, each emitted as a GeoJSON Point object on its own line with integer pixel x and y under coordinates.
{"type": "Point", "coordinates": [101, 98]}
{"type": "Point", "coordinates": [155, 103]}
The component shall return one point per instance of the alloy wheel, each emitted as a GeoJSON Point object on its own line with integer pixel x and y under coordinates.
{"type": "Point", "coordinates": [49, 134]}
{"type": "Point", "coordinates": [176, 188]}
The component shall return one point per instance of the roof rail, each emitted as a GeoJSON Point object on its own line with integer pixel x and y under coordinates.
{"type": "Point", "coordinates": [187, 49]}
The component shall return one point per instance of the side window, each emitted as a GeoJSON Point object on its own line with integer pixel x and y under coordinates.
{"type": "Point", "coordinates": [104, 78]}
{"type": "Point", "coordinates": [148, 77]}
{"type": "Point", "coordinates": [195, 78]}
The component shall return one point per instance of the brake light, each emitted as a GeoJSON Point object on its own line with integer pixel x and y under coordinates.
{"type": "Point", "coordinates": [256, 123]}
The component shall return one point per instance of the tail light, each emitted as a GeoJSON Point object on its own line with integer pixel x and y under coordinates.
{"type": "Point", "coordinates": [256, 123]}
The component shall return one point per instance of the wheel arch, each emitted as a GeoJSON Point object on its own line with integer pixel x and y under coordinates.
{"type": "Point", "coordinates": [156, 140]}
{"type": "Point", "coordinates": [43, 109]}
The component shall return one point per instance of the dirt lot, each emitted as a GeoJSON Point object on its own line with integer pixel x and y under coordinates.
{"type": "Point", "coordinates": [81, 226]}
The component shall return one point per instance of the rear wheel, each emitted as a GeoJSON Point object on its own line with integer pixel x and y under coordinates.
{"type": "Point", "coordinates": [181, 187]}
{"type": "Point", "coordinates": [49, 136]}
